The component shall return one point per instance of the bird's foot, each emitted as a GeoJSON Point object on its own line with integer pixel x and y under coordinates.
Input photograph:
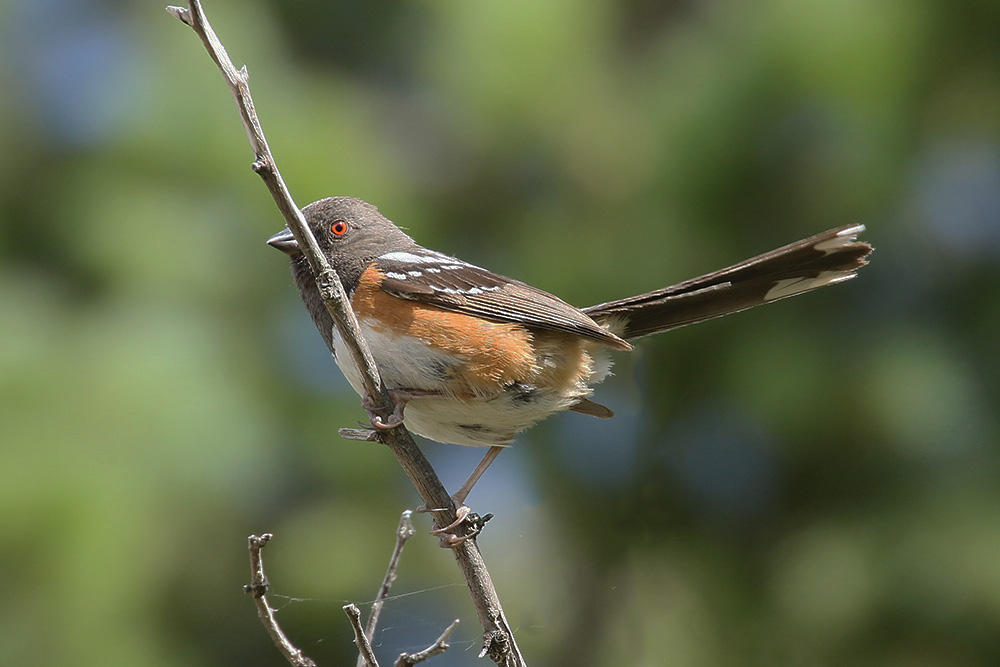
{"type": "Point", "coordinates": [464, 516]}
{"type": "Point", "coordinates": [376, 421]}
{"type": "Point", "coordinates": [400, 397]}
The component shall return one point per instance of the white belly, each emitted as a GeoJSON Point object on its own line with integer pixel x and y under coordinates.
{"type": "Point", "coordinates": [482, 421]}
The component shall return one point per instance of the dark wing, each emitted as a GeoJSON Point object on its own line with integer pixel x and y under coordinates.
{"type": "Point", "coordinates": [447, 282]}
{"type": "Point", "coordinates": [824, 259]}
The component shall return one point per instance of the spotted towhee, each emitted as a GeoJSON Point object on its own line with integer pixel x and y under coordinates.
{"type": "Point", "coordinates": [476, 357]}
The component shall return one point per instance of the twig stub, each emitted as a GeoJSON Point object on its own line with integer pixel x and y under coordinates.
{"type": "Point", "coordinates": [181, 13]}
{"type": "Point", "coordinates": [258, 585]}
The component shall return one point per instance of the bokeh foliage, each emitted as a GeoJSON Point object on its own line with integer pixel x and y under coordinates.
{"type": "Point", "coordinates": [813, 483]}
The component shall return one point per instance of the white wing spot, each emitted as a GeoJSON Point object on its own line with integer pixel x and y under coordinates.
{"type": "Point", "coordinates": [395, 276]}
{"type": "Point", "coordinates": [413, 258]}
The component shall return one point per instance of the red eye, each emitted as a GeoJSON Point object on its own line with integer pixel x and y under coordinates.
{"type": "Point", "coordinates": [339, 227]}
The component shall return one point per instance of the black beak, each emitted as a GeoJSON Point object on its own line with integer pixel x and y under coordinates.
{"type": "Point", "coordinates": [285, 242]}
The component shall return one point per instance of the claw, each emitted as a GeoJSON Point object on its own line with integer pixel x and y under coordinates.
{"type": "Point", "coordinates": [379, 424]}
{"type": "Point", "coordinates": [464, 516]}
{"type": "Point", "coordinates": [474, 524]}
{"type": "Point", "coordinates": [400, 398]}
{"type": "Point", "coordinates": [394, 420]}
{"type": "Point", "coordinates": [462, 512]}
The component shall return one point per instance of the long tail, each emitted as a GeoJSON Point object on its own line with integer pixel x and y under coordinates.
{"type": "Point", "coordinates": [825, 259]}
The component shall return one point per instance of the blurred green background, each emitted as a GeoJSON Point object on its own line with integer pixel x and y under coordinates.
{"type": "Point", "coordinates": [812, 483]}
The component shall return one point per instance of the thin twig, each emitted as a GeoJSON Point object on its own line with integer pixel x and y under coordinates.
{"type": "Point", "coordinates": [326, 279]}
{"type": "Point", "coordinates": [404, 531]}
{"type": "Point", "coordinates": [257, 589]}
{"type": "Point", "coordinates": [498, 638]}
{"type": "Point", "coordinates": [440, 646]}
{"type": "Point", "coordinates": [364, 646]}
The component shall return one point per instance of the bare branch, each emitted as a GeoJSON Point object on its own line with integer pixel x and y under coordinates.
{"type": "Point", "coordinates": [364, 646]}
{"type": "Point", "coordinates": [440, 646]}
{"type": "Point", "coordinates": [404, 531]}
{"type": "Point", "coordinates": [257, 589]}
{"type": "Point", "coordinates": [498, 637]}
{"type": "Point", "coordinates": [326, 279]}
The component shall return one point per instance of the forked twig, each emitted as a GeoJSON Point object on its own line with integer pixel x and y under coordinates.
{"type": "Point", "coordinates": [438, 647]}
{"type": "Point", "coordinates": [257, 589]}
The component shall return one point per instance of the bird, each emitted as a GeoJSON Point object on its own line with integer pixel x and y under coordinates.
{"type": "Point", "coordinates": [472, 357]}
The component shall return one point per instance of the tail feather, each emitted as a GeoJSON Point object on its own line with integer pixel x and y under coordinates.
{"type": "Point", "coordinates": [824, 259]}
{"type": "Point", "coordinates": [588, 407]}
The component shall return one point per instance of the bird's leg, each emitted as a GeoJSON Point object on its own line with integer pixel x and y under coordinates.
{"type": "Point", "coordinates": [462, 511]}
{"type": "Point", "coordinates": [466, 488]}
